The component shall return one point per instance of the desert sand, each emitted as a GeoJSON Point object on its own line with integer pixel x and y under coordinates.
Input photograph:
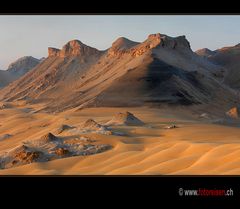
{"type": "Point", "coordinates": [179, 111]}
{"type": "Point", "coordinates": [192, 146]}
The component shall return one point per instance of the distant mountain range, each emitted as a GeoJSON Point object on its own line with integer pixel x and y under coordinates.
{"type": "Point", "coordinates": [160, 70]}
{"type": "Point", "coordinates": [17, 69]}
{"type": "Point", "coordinates": [229, 59]}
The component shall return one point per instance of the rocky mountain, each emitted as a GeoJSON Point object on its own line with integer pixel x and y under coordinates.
{"type": "Point", "coordinates": [73, 48]}
{"type": "Point", "coordinates": [205, 52]}
{"type": "Point", "coordinates": [17, 69]}
{"type": "Point", "coordinates": [22, 65]}
{"type": "Point", "coordinates": [160, 70]}
{"type": "Point", "coordinates": [228, 59]}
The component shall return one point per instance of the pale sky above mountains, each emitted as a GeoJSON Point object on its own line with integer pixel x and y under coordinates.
{"type": "Point", "coordinates": [25, 35]}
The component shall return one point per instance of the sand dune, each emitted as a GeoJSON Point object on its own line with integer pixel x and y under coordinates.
{"type": "Point", "coordinates": [193, 148]}
{"type": "Point", "coordinates": [179, 112]}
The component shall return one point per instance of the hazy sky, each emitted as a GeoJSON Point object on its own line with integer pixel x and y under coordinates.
{"type": "Point", "coordinates": [31, 35]}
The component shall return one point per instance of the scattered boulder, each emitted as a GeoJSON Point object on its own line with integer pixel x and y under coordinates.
{"type": "Point", "coordinates": [61, 151]}
{"type": "Point", "coordinates": [44, 125]}
{"type": "Point", "coordinates": [81, 140]}
{"type": "Point", "coordinates": [25, 155]}
{"type": "Point", "coordinates": [4, 105]}
{"type": "Point", "coordinates": [233, 113]}
{"type": "Point", "coordinates": [91, 125]}
{"type": "Point", "coordinates": [171, 126]}
{"type": "Point", "coordinates": [91, 149]}
{"type": "Point", "coordinates": [28, 157]}
{"type": "Point", "coordinates": [49, 147]}
{"type": "Point", "coordinates": [5, 136]}
{"type": "Point", "coordinates": [62, 128]}
{"type": "Point", "coordinates": [49, 137]}
{"type": "Point", "coordinates": [46, 139]}
{"type": "Point", "coordinates": [125, 118]}
{"type": "Point", "coordinates": [86, 139]}
{"type": "Point", "coordinates": [205, 116]}
{"type": "Point", "coordinates": [103, 147]}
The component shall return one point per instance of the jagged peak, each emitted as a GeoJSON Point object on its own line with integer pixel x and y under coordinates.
{"type": "Point", "coordinates": [73, 48]}
{"type": "Point", "coordinates": [163, 41]}
{"type": "Point", "coordinates": [167, 41]}
{"type": "Point", "coordinates": [124, 46]}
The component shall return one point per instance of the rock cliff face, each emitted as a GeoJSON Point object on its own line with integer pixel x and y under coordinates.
{"type": "Point", "coordinates": [162, 40]}
{"type": "Point", "coordinates": [53, 52]}
{"type": "Point", "coordinates": [121, 46]}
{"type": "Point", "coordinates": [233, 113]}
{"type": "Point", "coordinates": [124, 46]}
{"type": "Point", "coordinates": [73, 48]}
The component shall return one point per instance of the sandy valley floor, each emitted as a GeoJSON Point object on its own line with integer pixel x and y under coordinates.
{"type": "Point", "coordinates": [194, 147]}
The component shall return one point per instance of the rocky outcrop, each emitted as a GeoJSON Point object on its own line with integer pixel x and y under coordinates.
{"type": "Point", "coordinates": [30, 152]}
{"type": "Point", "coordinates": [63, 128]}
{"type": "Point", "coordinates": [125, 118]}
{"type": "Point", "coordinates": [61, 151]}
{"type": "Point", "coordinates": [53, 52]}
{"type": "Point", "coordinates": [161, 40]}
{"type": "Point", "coordinates": [73, 48]}
{"type": "Point", "coordinates": [5, 136]}
{"type": "Point", "coordinates": [91, 124]}
{"type": "Point", "coordinates": [26, 156]}
{"type": "Point", "coordinates": [233, 113]}
{"type": "Point", "coordinates": [121, 46]}
{"type": "Point", "coordinates": [124, 46]}
{"type": "Point", "coordinates": [4, 105]}
{"type": "Point", "coordinates": [49, 137]}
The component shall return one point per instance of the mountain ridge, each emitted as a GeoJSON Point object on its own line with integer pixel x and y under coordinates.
{"type": "Point", "coordinates": [159, 70]}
